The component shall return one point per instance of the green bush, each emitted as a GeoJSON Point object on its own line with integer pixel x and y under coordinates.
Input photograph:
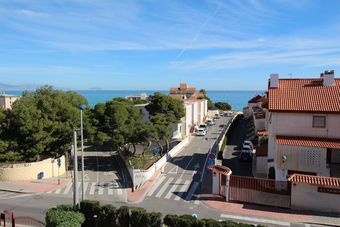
{"type": "Point", "coordinates": [65, 207]}
{"type": "Point", "coordinates": [211, 223]}
{"type": "Point", "coordinates": [90, 208]}
{"type": "Point", "coordinates": [171, 220]}
{"type": "Point", "coordinates": [154, 219]}
{"type": "Point", "coordinates": [61, 218]}
{"type": "Point", "coordinates": [108, 216]}
{"type": "Point", "coordinates": [138, 217]}
{"type": "Point", "coordinates": [186, 220]}
{"type": "Point", "coordinates": [123, 216]}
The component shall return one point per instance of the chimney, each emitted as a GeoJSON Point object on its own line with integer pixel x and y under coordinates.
{"type": "Point", "coordinates": [274, 81]}
{"type": "Point", "coordinates": [328, 78]}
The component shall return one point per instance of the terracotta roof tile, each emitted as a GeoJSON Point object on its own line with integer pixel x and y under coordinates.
{"type": "Point", "coordinates": [220, 169]}
{"type": "Point", "coordinates": [315, 180]}
{"type": "Point", "coordinates": [308, 141]}
{"type": "Point", "coordinates": [305, 95]}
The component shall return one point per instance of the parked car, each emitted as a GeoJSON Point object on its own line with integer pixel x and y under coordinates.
{"type": "Point", "coordinates": [204, 126]}
{"type": "Point", "coordinates": [216, 116]}
{"type": "Point", "coordinates": [248, 143]}
{"type": "Point", "coordinates": [201, 132]}
{"type": "Point", "coordinates": [210, 122]}
{"type": "Point", "coordinates": [246, 153]}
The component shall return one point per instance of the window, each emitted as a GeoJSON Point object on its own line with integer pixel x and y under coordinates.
{"type": "Point", "coordinates": [319, 122]}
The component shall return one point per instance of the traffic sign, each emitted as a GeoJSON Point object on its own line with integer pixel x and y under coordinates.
{"type": "Point", "coordinates": [211, 162]}
{"type": "Point", "coordinates": [59, 162]}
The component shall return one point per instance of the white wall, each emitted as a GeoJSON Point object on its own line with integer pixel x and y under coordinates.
{"type": "Point", "coordinates": [261, 164]}
{"type": "Point", "coordinates": [308, 159]}
{"type": "Point", "coordinates": [307, 197]}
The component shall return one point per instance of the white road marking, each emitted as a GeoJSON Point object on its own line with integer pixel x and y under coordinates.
{"type": "Point", "coordinates": [58, 191]}
{"type": "Point", "coordinates": [173, 188]}
{"type": "Point", "coordinates": [155, 186]}
{"type": "Point", "coordinates": [192, 190]}
{"type": "Point", "coordinates": [120, 191]}
{"type": "Point", "coordinates": [253, 219]}
{"type": "Point", "coordinates": [160, 192]}
{"type": "Point", "coordinates": [68, 188]}
{"type": "Point", "coordinates": [197, 201]}
{"type": "Point", "coordinates": [110, 191]}
{"type": "Point", "coordinates": [86, 184]}
{"type": "Point", "coordinates": [183, 189]}
{"type": "Point", "coordinates": [92, 188]}
{"type": "Point", "coordinates": [173, 170]}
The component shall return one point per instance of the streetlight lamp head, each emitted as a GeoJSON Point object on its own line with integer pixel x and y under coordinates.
{"type": "Point", "coordinates": [82, 107]}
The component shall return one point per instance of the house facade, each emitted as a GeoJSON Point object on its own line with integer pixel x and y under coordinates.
{"type": "Point", "coordinates": [303, 126]}
{"type": "Point", "coordinates": [6, 101]}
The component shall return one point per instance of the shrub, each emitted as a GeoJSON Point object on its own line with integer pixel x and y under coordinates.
{"type": "Point", "coordinates": [154, 219]}
{"type": "Point", "coordinates": [138, 217]}
{"type": "Point", "coordinates": [186, 220]}
{"type": "Point", "coordinates": [211, 223]}
{"type": "Point", "coordinates": [171, 220]}
{"type": "Point", "coordinates": [108, 216]}
{"type": "Point", "coordinates": [65, 207]}
{"type": "Point", "coordinates": [61, 218]}
{"type": "Point", "coordinates": [123, 216]}
{"type": "Point", "coordinates": [89, 208]}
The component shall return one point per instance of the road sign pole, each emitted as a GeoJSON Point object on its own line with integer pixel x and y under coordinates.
{"type": "Point", "coordinates": [58, 176]}
{"type": "Point", "coordinates": [75, 169]}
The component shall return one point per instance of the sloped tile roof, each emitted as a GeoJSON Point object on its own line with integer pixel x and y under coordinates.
{"type": "Point", "coordinates": [308, 141]}
{"type": "Point", "coordinates": [315, 180]}
{"type": "Point", "coordinates": [255, 99]}
{"type": "Point", "coordinates": [220, 169]}
{"type": "Point", "coordinates": [305, 95]}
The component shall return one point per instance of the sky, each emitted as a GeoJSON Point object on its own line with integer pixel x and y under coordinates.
{"type": "Point", "coordinates": [211, 44]}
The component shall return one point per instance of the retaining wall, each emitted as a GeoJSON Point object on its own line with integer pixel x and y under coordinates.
{"type": "Point", "coordinates": [139, 177]}
{"type": "Point", "coordinates": [31, 170]}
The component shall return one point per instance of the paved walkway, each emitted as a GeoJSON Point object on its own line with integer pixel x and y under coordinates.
{"type": "Point", "coordinates": [34, 186]}
{"type": "Point", "coordinates": [252, 210]}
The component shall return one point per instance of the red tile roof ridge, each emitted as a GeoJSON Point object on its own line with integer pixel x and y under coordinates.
{"type": "Point", "coordinates": [316, 180]}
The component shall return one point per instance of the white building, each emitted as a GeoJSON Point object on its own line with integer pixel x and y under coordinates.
{"type": "Point", "coordinates": [304, 126]}
{"type": "Point", "coordinates": [6, 101]}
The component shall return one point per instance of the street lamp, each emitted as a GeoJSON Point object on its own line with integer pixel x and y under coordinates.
{"type": "Point", "coordinates": [82, 107]}
{"type": "Point", "coordinates": [75, 169]}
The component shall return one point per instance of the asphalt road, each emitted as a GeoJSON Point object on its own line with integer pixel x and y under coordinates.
{"type": "Point", "coordinates": [232, 149]}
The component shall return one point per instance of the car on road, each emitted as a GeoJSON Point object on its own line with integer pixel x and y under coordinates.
{"type": "Point", "coordinates": [201, 132]}
{"type": "Point", "coordinates": [216, 116]}
{"type": "Point", "coordinates": [210, 122]}
{"type": "Point", "coordinates": [202, 125]}
{"type": "Point", "coordinates": [246, 153]}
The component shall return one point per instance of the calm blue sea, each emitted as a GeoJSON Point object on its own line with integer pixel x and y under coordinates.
{"type": "Point", "coordinates": [237, 99]}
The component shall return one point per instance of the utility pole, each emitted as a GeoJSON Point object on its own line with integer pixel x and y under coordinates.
{"type": "Point", "coordinates": [75, 169]}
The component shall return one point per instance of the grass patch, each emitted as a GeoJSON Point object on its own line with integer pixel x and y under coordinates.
{"type": "Point", "coordinates": [140, 162]}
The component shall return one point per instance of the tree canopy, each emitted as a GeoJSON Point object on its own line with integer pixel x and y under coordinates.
{"type": "Point", "coordinates": [40, 124]}
{"type": "Point", "coordinates": [223, 106]}
{"type": "Point", "coordinates": [210, 103]}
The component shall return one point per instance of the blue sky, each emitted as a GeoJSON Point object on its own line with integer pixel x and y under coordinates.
{"type": "Point", "coordinates": [212, 44]}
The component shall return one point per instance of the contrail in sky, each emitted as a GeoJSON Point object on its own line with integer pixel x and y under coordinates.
{"type": "Point", "coordinates": [199, 31]}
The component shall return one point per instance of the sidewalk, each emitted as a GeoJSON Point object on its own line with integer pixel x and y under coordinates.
{"type": "Point", "coordinates": [274, 213]}
{"type": "Point", "coordinates": [34, 186]}
{"type": "Point", "coordinates": [139, 194]}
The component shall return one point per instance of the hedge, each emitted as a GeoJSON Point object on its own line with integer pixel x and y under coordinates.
{"type": "Point", "coordinates": [57, 217]}
{"type": "Point", "coordinates": [109, 216]}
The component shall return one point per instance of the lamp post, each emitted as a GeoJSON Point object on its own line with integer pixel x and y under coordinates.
{"type": "Point", "coordinates": [75, 169]}
{"type": "Point", "coordinates": [82, 107]}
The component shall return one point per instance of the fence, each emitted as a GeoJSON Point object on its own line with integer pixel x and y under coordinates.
{"type": "Point", "coordinates": [260, 191]}
{"type": "Point", "coordinates": [9, 219]}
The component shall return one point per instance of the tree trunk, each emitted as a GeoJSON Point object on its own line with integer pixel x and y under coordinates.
{"type": "Point", "coordinates": [134, 148]}
{"type": "Point", "coordinates": [161, 148]}
{"type": "Point", "coordinates": [167, 145]}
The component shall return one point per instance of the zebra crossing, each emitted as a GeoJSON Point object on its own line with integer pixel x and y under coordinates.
{"type": "Point", "coordinates": [90, 188]}
{"type": "Point", "coordinates": [168, 187]}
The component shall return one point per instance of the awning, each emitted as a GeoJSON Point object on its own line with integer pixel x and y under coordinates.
{"type": "Point", "coordinates": [308, 141]}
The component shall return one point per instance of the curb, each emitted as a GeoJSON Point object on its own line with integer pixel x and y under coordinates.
{"type": "Point", "coordinates": [23, 191]}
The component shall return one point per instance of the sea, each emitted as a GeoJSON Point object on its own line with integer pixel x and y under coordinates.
{"type": "Point", "coordinates": [237, 99]}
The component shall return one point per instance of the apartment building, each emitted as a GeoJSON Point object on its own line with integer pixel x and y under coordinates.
{"type": "Point", "coordinates": [304, 126]}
